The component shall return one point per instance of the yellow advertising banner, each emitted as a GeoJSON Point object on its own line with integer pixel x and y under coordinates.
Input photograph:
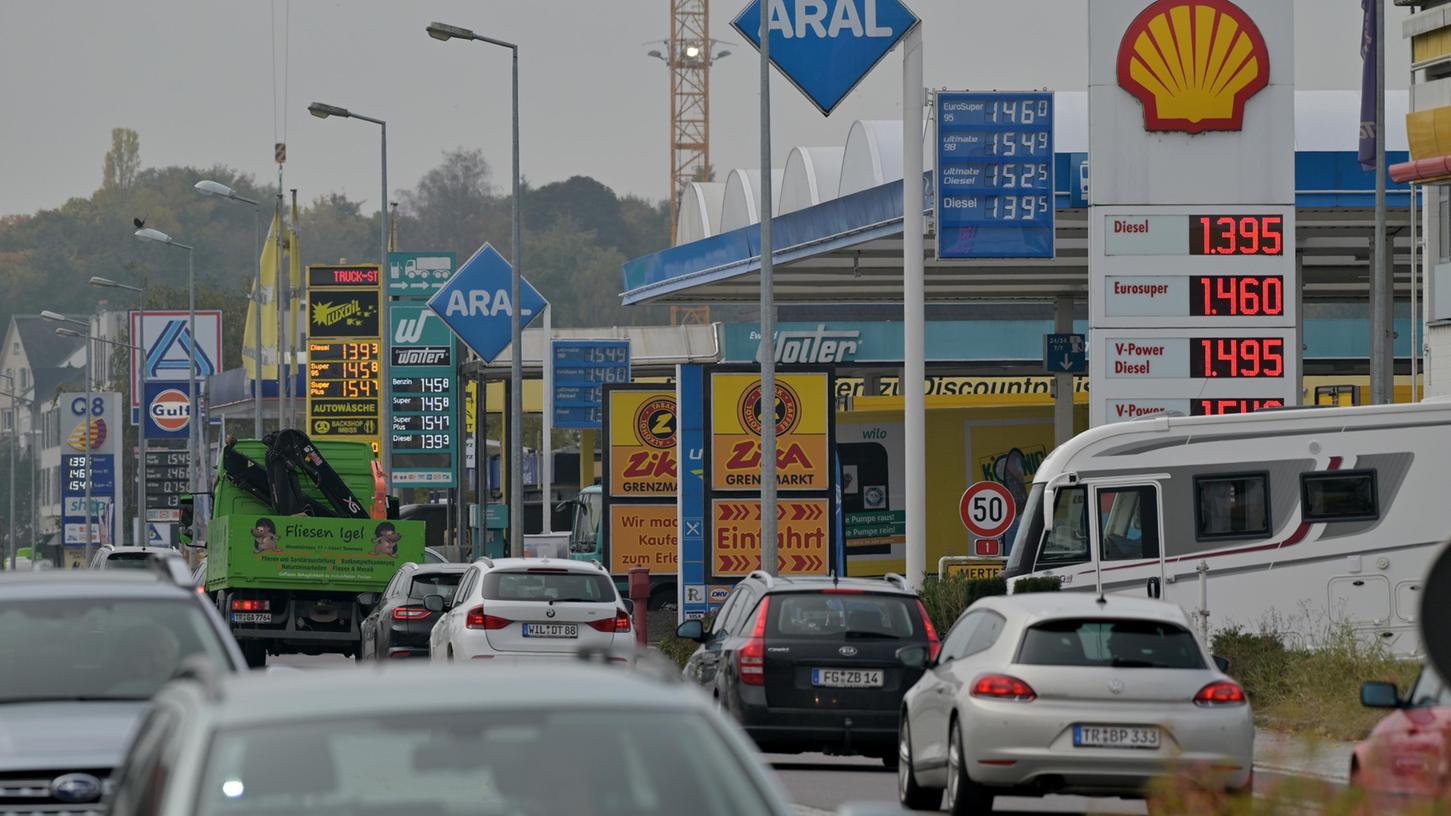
{"type": "Point", "coordinates": [801, 536]}
{"type": "Point", "coordinates": [803, 413]}
{"type": "Point", "coordinates": [644, 535]}
{"type": "Point", "coordinates": [641, 442]}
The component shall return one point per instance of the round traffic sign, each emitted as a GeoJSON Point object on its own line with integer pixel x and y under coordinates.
{"type": "Point", "coordinates": [987, 509]}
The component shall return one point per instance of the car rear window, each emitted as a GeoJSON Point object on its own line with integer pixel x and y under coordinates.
{"type": "Point", "coordinates": [1120, 644]}
{"type": "Point", "coordinates": [548, 585]}
{"type": "Point", "coordinates": [434, 583]}
{"type": "Point", "coordinates": [841, 616]}
{"type": "Point", "coordinates": [137, 561]}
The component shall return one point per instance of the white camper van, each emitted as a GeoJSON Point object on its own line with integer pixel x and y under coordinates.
{"type": "Point", "coordinates": [1297, 519]}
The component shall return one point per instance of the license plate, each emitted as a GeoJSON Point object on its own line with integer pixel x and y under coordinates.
{"type": "Point", "coordinates": [551, 630]}
{"type": "Point", "coordinates": [1115, 736]}
{"type": "Point", "coordinates": [847, 678]}
{"type": "Point", "coordinates": [251, 617]}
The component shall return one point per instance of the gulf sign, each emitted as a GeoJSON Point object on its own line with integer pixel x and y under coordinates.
{"type": "Point", "coordinates": [802, 537]}
{"type": "Point", "coordinates": [802, 415]}
{"type": "Point", "coordinates": [1193, 64]}
{"type": "Point", "coordinates": [167, 411]}
{"type": "Point", "coordinates": [642, 426]}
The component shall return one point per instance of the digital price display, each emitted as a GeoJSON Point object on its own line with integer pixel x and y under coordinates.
{"type": "Point", "coordinates": [1245, 357]}
{"type": "Point", "coordinates": [994, 176]}
{"type": "Point", "coordinates": [166, 483]}
{"type": "Point", "coordinates": [581, 368]}
{"type": "Point", "coordinates": [363, 276]}
{"type": "Point", "coordinates": [344, 353]}
{"type": "Point", "coordinates": [422, 422]}
{"type": "Point", "coordinates": [1236, 295]}
{"type": "Point", "coordinates": [1236, 235]}
{"type": "Point", "coordinates": [429, 404]}
{"type": "Point", "coordinates": [1217, 407]}
{"type": "Point", "coordinates": [423, 392]}
{"type": "Point", "coordinates": [423, 385]}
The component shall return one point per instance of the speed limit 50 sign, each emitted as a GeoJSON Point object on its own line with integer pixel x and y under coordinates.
{"type": "Point", "coordinates": [987, 509]}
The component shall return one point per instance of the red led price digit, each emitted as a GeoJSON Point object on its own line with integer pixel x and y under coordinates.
{"type": "Point", "coordinates": [1249, 228]}
{"type": "Point", "coordinates": [1249, 352]}
{"type": "Point", "coordinates": [1274, 351]}
{"type": "Point", "coordinates": [1230, 232]}
{"type": "Point", "coordinates": [1271, 228]}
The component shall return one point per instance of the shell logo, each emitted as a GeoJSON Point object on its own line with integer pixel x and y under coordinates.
{"type": "Point", "coordinates": [171, 410]}
{"type": "Point", "coordinates": [77, 439]}
{"type": "Point", "coordinates": [1193, 64]}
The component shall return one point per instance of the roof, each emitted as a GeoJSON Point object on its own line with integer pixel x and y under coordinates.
{"type": "Point", "coordinates": [257, 697]}
{"type": "Point", "coordinates": [50, 584]}
{"type": "Point", "coordinates": [47, 382]}
{"type": "Point", "coordinates": [1047, 605]}
{"type": "Point", "coordinates": [43, 347]}
{"type": "Point", "coordinates": [817, 583]}
{"type": "Point", "coordinates": [551, 563]}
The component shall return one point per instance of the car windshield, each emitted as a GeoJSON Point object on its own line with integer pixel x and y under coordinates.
{"type": "Point", "coordinates": [1122, 644]}
{"type": "Point", "coordinates": [128, 560]}
{"type": "Point", "coordinates": [434, 583]}
{"type": "Point", "coordinates": [548, 585]}
{"type": "Point", "coordinates": [1428, 691]}
{"type": "Point", "coordinates": [89, 648]}
{"type": "Point", "coordinates": [581, 762]}
{"type": "Point", "coordinates": [831, 615]}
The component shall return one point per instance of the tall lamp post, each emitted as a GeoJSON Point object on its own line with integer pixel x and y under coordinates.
{"type": "Point", "coordinates": [207, 187]}
{"type": "Point", "coordinates": [86, 414]}
{"type": "Point", "coordinates": [444, 32]}
{"type": "Point", "coordinates": [322, 111]}
{"type": "Point", "coordinates": [15, 401]}
{"type": "Point", "coordinates": [138, 363]}
{"type": "Point", "coordinates": [194, 408]}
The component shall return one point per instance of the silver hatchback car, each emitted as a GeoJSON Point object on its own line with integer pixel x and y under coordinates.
{"type": "Point", "coordinates": [1064, 692]}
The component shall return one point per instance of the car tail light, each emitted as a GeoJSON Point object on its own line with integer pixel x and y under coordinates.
{"type": "Point", "coordinates": [751, 659]}
{"type": "Point", "coordinates": [1003, 687]}
{"type": "Point", "coordinates": [250, 605]}
{"type": "Point", "coordinates": [408, 613]}
{"type": "Point", "coordinates": [476, 619]}
{"type": "Point", "coordinates": [1221, 692]}
{"type": "Point", "coordinates": [619, 623]}
{"type": "Point", "coordinates": [934, 646]}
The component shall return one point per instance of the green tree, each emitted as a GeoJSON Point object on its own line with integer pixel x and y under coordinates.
{"type": "Point", "coordinates": [123, 160]}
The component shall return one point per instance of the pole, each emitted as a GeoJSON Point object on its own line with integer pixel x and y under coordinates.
{"type": "Point", "coordinates": [1380, 299]}
{"type": "Point", "coordinates": [194, 434]}
{"type": "Point", "coordinates": [767, 353]}
{"type": "Point", "coordinates": [387, 330]}
{"type": "Point", "coordinates": [281, 295]}
{"type": "Point", "coordinates": [1062, 383]}
{"type": "Point", "coordinates": [1415, 316]}
{"type": "Point", "coordinates": [256, 329]}
{"type": "Point", "coordinates": [516, 364]}
{"type": "Point", "coordinates": [914, 310]}
{"type": "Point", "coordinates": [138, 354]}
{"type": "Point", "coordinates": [86, 454]}
{"type": "Point", "coordinates": [481, 457]}
{"type": "Point", "coordinates": [14, 443]}
{"type": "Point", "coordinates": [546, 440]}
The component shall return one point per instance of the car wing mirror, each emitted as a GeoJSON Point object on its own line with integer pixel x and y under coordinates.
{"type": "Point", "coordinates": [629, 606]}
{"type": "Point", "coordinates": [692, 629]}
{"type": "Point", "coordinates": [1379, 695]}
{"type": "Point", "coordinates": [434, 603]}
{"type": "Point", "coordinates": [914, 657]}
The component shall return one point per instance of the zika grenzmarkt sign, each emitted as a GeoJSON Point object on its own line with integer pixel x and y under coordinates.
{"type": "Point", "coordinates": [642, 425]}
{"type": "Point", "coordinates": [802, 414]}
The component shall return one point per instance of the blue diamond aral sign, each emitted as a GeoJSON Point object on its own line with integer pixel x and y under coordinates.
{"type": "Point", "coordinates": [475, 303]}
{"type": "Point", "coordinates": [826, 47]}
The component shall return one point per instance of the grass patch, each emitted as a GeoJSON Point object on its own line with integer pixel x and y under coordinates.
{"type": "Point", "coordinates": [1312, 692]}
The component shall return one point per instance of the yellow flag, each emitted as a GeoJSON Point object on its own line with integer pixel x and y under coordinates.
{"type": "Point", "coordinates": [267, 283]}
{"type": "Point", "coordinates": [299, 289]}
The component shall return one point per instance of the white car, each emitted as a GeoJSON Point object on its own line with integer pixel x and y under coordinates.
{"type": "Point", "coordinates": [524, 608]}
{"type": "Point", "coordinates": [1068, 692]}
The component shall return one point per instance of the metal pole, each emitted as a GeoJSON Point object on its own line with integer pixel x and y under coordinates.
{"type": "Point", "coordinates": [196, 398]}
{"type": "Point", "coordinates": [86, 454]}
{"type": "Point", "coordinates": [1380, 300]}
{"type": "Point", "coordinates": [282, 296]}
{"type": "Point", "coordinates": [256, 327]}
{"type": "Point", "coordinates": [770, 559]}
{"type": "Point", "coordinates": [1415, 317]}
{"type": "Point", "coordinates": [14, 443]}
{"type": "Point", "coordinates": [481, 456]}
{"type": "Point", "coordinates": [914, 310]}
{"type": "Point", "coordinates": [385, 328]}
{"type": "Point", "coordinates": [1062, 383]}
{"type": "Point", "coordinates": [546, 446]}
{"type": "Point", "coordinates": [516, 364]}
{"type": "Point", "coordinates": [139, 358]}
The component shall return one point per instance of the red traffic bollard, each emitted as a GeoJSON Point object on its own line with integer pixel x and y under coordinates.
{"type": "Point", "coordinates": [640, 596]}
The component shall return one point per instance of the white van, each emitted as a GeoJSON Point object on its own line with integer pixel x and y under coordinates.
{"type": "Point", "coordinates": [1299, 519]}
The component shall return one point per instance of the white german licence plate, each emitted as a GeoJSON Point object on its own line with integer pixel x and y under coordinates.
{"type": "Point", "coordinates": [251, 617]}
{"type": "Point", "coordinates": [1115, 736]}
{"type": "Point", "coordinates": [847, 678]}
{"type": "Point", "coordinates": [551, 630]}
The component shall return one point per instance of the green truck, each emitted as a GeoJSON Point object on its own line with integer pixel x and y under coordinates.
{"type": "Point", "coordinates": [294, 564]}
{"type": "Point", "coordinates": [589, 540]}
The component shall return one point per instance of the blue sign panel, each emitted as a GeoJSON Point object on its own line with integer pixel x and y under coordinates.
{"type": "Point", "coordinates": [168, 410]}
{"type": "Point", "coordinates": [690, 447]}
{"type": "Point", "coordinates": [73, 496]}
{"type": "Point", "coordinates": [475, 303]}
{"type": "Point", "coordinates": [1065, 353]}
{"type": "Point", "coordinates": [994, 177]}
{"type": "Point", "coordinates": [580, 368]}
{"type": "Point", "coordinates": [826, 47]}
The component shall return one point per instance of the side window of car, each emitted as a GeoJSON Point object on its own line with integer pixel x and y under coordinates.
{"type": "Point", "coordinates": [957, 639]}
{"type": "Point", "coordinates": [985, 634]}
{"type": "Point", "coordinates": [743, 607]}
{"type": "Point", "coordinates": [718, 624]}
{"type": "Point", "coordinates": [466, 586]}
{"type": "Point", "coordinates": [143, 778]}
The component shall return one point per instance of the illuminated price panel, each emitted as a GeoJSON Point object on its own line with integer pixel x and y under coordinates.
{"type": "Point", "coordinates": [424, 398]}
{"type": "Point", "coordinates": [581, 368]}
{"type": "Point", "coordinates": [1192, 371]}
{"type": "Point", "coordinates": [994, 175]}
{"type": "Point", "coordinates": [344, 353]}
{"type": "Point", "coordinates": [166, 483]}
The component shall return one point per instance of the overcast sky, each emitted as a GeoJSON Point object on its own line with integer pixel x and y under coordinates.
{"type": "Point", "coordinates": [194, 78]}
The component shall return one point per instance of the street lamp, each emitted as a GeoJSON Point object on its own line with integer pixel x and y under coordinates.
{"type": "Point", "coordinates": [444, 32]}
{"type": "Point", "coordinates": [86, 413]}
{"type": "Point", "coordinates": [207, 187]}
{"type": "Point", "coordinates": [138, 363]}
{"type": "Point", "coordinates": [323, 110]}
{"type": "Point", "coordinates": [15, 400]}
{"type": "Point", "coordinates": [194, 420]}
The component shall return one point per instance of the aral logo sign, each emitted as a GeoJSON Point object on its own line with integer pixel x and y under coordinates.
{"type": "Point", "coordinates": [801, 413]}
{"type": "Point", "coordinates": [1193, 64]}
{"type": "Point", "coordinates": [171, 410]}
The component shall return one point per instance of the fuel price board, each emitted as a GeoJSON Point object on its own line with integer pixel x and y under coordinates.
{"type": "Point", "coordinates": [344, 348]}
{"type": "Point", "coordinates": [424, 396]}
{"type": "Point", "coordinates": [581, 369]}
{"type": "Point", "coordinates": [994, 177]}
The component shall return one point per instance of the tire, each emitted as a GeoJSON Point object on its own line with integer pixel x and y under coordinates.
{"type": "Point", "coordinates": [964, 796]}
{"type": "Point", "coordinates": [909, 793]}
{"type": "Point", "coordinates": [255, 652]}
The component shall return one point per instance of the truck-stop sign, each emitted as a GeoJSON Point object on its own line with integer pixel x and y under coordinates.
{"type": "Point", "coordinates": [987, 509]}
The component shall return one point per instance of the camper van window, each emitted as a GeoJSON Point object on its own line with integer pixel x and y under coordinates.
{"type": "Point", "coordinates": [1067, 542]}
{"type": "Point", "coordinates": [1128, 523]}
{"type": "Point", "coordinates": [1342, 495]}
{"type": "Point", "coordinates": [1023, 549]}
{"type": "Point", "coordinates": [1232, 506]}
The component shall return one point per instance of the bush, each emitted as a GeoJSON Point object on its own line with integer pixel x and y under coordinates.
{"type": "Point", "coordinates": [1042, 583]}
{"type": "Point", "coordinates": [676, 648]}
{"type": "Point", "coordinates": [947, 598]}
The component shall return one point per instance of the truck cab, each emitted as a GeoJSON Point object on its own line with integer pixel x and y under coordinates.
{"type": "Point", "coordinates": [589, 541]}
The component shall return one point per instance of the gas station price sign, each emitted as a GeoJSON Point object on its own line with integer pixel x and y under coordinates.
{"type": "Point", "coordinates": [581, 369]}
{"type": "Point", "coordinates": [994, 177]}
{"type": "Point", "coordinates": [424, 436]}
{"type": "Point", "coordinates": [344, 384]}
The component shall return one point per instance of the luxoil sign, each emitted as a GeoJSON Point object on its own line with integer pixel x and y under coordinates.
{"type": "Point", "coordinates": [801, 414]}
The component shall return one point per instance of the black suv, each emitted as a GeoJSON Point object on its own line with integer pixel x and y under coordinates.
{"type": "Point", "coordinates": [810, 664]}
{"type": "Point", "coordinates": [399, 626]}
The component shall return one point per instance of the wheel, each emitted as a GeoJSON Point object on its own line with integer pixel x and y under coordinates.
{"type": "Point", "coordinates": [255, 652]}
{"type": "Point", "coordinates": [964, 796]}
{"type": "Point", "coordinates": [909, 793]}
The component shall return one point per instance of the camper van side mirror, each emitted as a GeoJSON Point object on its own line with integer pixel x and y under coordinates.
{"type": "Point", "coordinates": [1156, 589]}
